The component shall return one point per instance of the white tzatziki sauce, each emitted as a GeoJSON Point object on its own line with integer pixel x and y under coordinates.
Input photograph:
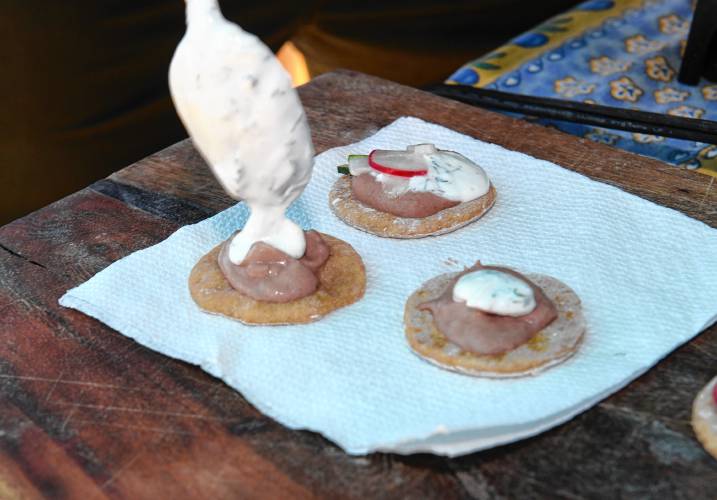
{"type": "Point", "coordinates": [244, 117]}
{"type": "Point", "coordinates": [495, 292]}
{"type": "Point", "coordinates": [450, 175]}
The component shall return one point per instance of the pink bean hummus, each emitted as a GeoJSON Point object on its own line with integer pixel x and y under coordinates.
{"type": "Point", "coordinates": [271, 275]}
{"type": "Point", "coordinates": [484, 333]}
{"type": "Point", "coordinates": [372, 193]}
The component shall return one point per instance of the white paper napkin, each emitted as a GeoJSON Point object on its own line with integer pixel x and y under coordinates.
{"type": "Point", "coordinates": [645, 273]}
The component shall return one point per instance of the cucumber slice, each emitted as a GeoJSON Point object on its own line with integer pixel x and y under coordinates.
{"type": "Point", "coordinates": [410, 163]}
{"type": "Point", "coordinates": [358, 164]}
{"type": "Point", "coordinates": [343, 169]}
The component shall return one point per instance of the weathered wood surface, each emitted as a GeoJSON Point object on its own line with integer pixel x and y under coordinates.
{"type": "Point", "coordinates": [88, 413]}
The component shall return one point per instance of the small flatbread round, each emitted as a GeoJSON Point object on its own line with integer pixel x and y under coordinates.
{"type": "Point", "coordinates": [552, 345]}
{"type": "Point", "coordinates": [704, 418]}
{"type": "Point", "coordinates": [342, 281]}
{"type": "Point", "coordinates": [356, 214]}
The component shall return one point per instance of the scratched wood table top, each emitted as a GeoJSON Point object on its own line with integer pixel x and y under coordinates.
{"type": "Point", "coordinates": [88, 413]}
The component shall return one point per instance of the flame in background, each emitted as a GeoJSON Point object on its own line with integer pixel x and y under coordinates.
{"type": "Point", "coordinates": [294, 63]}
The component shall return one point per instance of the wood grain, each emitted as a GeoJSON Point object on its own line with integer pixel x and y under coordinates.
{"type": "Point", "coordinates": [88, 413]}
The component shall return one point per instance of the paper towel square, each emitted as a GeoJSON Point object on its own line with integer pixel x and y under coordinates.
{"type": "Point", "coordinates": [644, 272]}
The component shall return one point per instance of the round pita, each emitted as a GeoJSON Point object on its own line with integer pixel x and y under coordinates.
{"type": "Point", "coordinates": [552, 345]}
{"type": "Point", "coordinates": [356, 214]}
{"type": "Point", "coordinates": [342, 281]}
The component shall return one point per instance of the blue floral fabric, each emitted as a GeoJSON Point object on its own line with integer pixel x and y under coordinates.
{"type": "Point", "coordinates": [628, 60]}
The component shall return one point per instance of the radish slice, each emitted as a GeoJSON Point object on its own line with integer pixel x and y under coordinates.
{"type": "Point", "coordinates": [398, 163]}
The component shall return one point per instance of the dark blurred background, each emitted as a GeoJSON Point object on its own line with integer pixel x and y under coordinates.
{"type": "Point", "coordinates": [84, 87]}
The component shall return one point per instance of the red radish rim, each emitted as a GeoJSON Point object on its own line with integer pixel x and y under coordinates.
{"type": "Point", "coordinates": [393, 171]}
{"type": "Point", "coordinates": [714, 394]}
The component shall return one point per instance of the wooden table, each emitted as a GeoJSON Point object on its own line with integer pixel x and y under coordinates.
{"type": "Point", "coordinates": [88, 413]}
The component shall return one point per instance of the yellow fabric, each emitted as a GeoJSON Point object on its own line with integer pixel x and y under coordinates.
{"type": "Point", "coordinates": [556, 29]}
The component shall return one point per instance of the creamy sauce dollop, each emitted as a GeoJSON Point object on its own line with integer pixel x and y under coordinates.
{"type": "Point", "coordinates": [372, 193]}
{"type": "Point", "coordinates": [239, 107]}
{"type": "Point", "coordinates": [480, 332]}
{"type": "Point", "coordinates": [450, 175]}
{"type": "Point", "coordinates": [270, 275]}
{"type": "Point", "coordinates": [495, 292]}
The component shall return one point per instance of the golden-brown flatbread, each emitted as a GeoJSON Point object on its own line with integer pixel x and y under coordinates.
{"type": "Point", "coordinates": [553, 345]}
{"type": "Point", "coordinates": [356, 214]}
{"type": "Point", "coordinates": [342, 281]}
{"type": "Point", "coordinates": [704, 418]}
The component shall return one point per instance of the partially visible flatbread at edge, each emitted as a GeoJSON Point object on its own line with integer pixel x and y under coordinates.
{"type": "Point", "coordinates": [704, 418]}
